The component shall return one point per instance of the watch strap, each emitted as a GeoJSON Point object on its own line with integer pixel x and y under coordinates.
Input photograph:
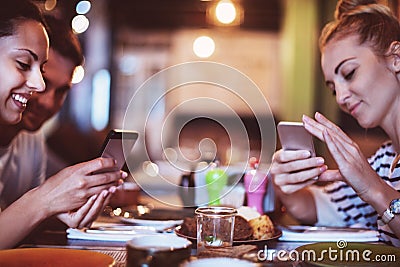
{"type": "Point", "coordinates": [386, 217]}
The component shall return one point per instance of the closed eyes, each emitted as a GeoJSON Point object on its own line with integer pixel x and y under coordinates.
{"type": "Point", "coordinates": [350, 75]}
{"type": "Point", "coordinates": [23, 66]}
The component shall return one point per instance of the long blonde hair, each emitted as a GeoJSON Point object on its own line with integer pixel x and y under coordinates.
{"type": "Point", "coordinates": [371, 22]}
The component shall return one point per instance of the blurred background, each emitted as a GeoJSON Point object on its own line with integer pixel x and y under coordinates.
{"type": "Point", "coordinates": [125, 42]}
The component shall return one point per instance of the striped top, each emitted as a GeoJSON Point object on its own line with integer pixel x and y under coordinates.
{"type": "Point", "coordinates": [352, 209]}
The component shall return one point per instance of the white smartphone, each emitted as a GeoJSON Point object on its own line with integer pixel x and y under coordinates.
{"type": "Point", "coordinates": [113, 146]}
{"type": "Point", "coordinates": [294, 136]}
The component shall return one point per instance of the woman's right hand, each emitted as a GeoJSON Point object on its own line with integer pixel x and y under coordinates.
{"type": "Point", "coordinates": [71, 188]}
{"type": "Point", "coordinates": [294, 170]}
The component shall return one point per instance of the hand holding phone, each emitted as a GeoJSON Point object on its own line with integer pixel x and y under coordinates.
{"type": "Point", "coordinates": [294, 136]}
{"type": "Point", "coordinates": [113, 147]}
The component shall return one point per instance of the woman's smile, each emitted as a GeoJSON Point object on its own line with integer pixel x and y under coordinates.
{"type": "Point", "coordinates": [21, 99]}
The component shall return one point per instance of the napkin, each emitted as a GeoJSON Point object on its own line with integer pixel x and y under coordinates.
{"type": "Point", "coordinates": [109, 233]}
{"type": "Point", "coordinates": [328, 234]}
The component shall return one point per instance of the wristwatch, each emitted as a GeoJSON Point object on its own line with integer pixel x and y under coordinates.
{"type": "Point", "coordinates": [388, 215]}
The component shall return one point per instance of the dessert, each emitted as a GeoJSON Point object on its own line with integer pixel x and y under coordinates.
{"type": "Point", "coordinates": [242, 229]}
{"type": "Point", "coordinates": [259, 228]}
{"type": "Point", "coordinates": [262, 226]}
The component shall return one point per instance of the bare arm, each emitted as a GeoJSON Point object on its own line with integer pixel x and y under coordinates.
{"type": "Point", "coordinates": [20, 218]}
{"type": "Point", "coordinates": [68, 190]}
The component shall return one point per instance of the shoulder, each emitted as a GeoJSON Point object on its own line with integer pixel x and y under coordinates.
{"type": "Point", "coordinates": [384, 153]}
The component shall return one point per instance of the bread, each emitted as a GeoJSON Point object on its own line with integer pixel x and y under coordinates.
{"type": "Point", "coordinates": [242, 230]}
{"type": "Point", "coordinates": [262, 226]}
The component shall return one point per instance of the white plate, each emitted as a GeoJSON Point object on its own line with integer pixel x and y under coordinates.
{"type": "Point", "coordinates": [326, 234]}
{"type": "Point", "coordinates": [160, 219]}
{"type": "Point", "coordinates": [108, 235]}
{"type": "Point", "coordinates": [159, 225]}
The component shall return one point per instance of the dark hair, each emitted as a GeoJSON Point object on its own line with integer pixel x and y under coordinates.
{"type": "Point", "coordinates": [371, 22]}
{"type": "Point", "coordinates": [14, 11]}
{"type": "Point", "coordinates": [63, 40]}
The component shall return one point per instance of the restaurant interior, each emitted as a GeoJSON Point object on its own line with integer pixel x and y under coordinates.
{"type": "Point", "coordinates": [273, 43]}
{"type": "Point", "coordinates": [200, 81]}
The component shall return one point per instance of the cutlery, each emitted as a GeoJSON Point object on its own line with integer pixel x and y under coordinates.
{"type": "Point", "coordinates": [119, 229]}
{"type": "Point", "coordinates": [127, 229]}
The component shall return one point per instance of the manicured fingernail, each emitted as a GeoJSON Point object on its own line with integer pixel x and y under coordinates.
{"type": "Point", "coordinates": [124, 175]}
{"type": "Point", "coordinates": [104, 194]}
{"type": "Point", "coordinates": [112, 189]}
{"type": "Point", "coordinates": [320, 160]}
{"type": "Point", "coordinates": [306, 154]}
{"type": "Point", "coordinates": [323, 168]}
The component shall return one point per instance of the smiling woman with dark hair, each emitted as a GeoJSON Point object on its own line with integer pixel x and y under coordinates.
{"type": "Point", "coordinates": [23, 52]}
{"type": "Point", "coordinates": [74, 195]}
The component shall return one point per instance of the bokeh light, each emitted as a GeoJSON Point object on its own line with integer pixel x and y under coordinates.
{"type": "Point", "coordinates": [203, 46]}
{"type": "Point", "coordinates": [80, 24]}
{"type": "Point", "coordinates": [78, 75]}
{"type": "Point", "coordinates": [83, 7]}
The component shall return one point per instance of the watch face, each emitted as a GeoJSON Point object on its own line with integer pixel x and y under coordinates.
{"type": "Point", "coordinates": [395, 206]}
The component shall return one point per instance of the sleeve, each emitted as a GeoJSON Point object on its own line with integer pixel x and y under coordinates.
{"type": "Point", "coordinates": [40, 159]}
{"type": "Point", "coordinates": [4, 153]}
{"type": "Point", "coordinates": [327, 213]}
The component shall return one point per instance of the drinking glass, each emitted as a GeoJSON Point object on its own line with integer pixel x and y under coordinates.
{"type": "Point", "coordinates": [215, 227]}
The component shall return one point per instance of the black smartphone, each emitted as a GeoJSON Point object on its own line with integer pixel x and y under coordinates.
{"type": "Point", "coordinates": [294, 136]}
{"type": "Point", "coordinates": [114, 144]}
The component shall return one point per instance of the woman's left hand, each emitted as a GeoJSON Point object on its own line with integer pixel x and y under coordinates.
{"type": "Point", "coordinates": [85, 215]}
{"type": "Point", "coordinates": [353, 165]}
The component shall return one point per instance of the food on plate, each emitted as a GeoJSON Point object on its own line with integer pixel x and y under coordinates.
{"type": "Point", "coordinates": [248, 212]}
{"type": "Point", "coordinates": [189, 227]}
{"type": "Point", "coordinates": [259, 228]}
{"type": "Point", "coordinates": [262, 226]}
{"type": "Point", "coordinates": [242, 229]}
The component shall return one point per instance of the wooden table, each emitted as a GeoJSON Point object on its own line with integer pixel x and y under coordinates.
{"type": "Point", "coordinates": [53, 234]}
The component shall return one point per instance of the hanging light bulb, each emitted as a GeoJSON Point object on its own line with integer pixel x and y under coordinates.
{"type": "Point", "coordinates": [225, 12]}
